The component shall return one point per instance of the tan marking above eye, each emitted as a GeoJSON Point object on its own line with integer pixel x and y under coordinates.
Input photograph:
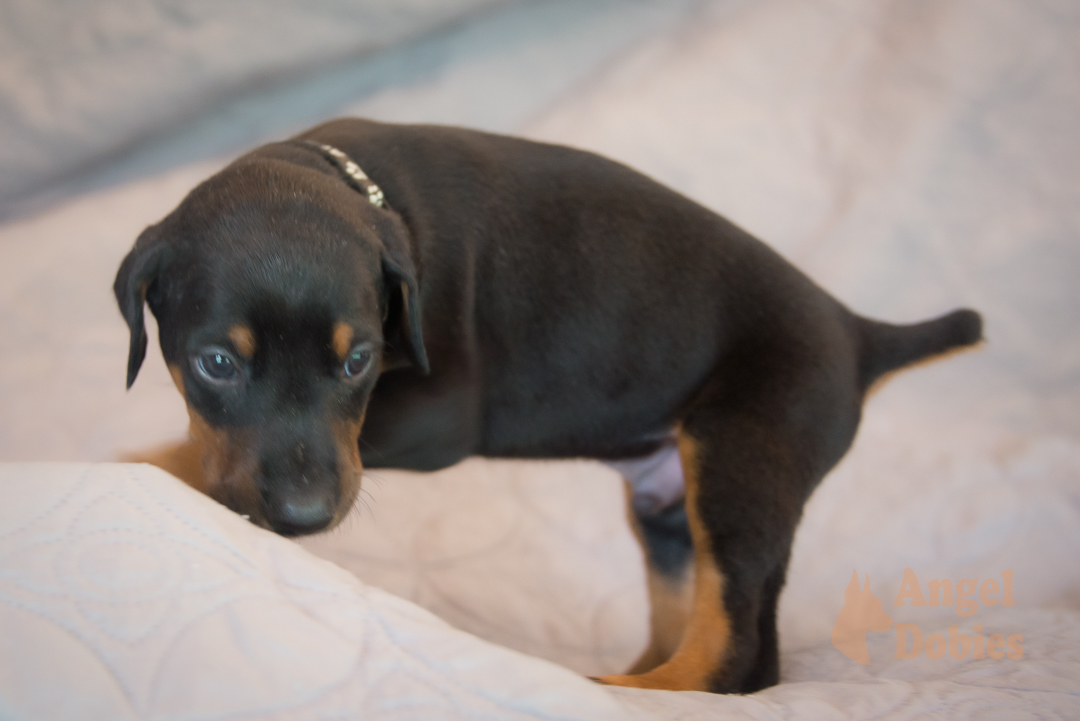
{"type": "Point", "coordinates": [243, 340]}
{"type": "Point", "coordinates": [342, 340]}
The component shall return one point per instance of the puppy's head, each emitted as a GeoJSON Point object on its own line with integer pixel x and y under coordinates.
{"type": "Point", "coordinates": [281, 294]}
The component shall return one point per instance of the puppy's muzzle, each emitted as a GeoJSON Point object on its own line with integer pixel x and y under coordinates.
{"type": "Point", "coordinates": [299, 511]}
{"type": "Point", "coordinates": [300, 487]}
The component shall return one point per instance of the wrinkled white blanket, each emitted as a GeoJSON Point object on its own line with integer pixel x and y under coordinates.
{"type": "Point", "coordinates": [126, 595]}
{"type": "Point", "coordinates": [83, 82]}
{"type": "Point", "coordinates": [910, 157]}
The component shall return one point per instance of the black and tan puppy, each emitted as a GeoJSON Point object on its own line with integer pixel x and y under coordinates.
{"type": "Point", "coordinates": [483, 295]}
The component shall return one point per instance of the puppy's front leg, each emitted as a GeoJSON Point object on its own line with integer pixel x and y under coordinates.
{"type": "Point", "coordinates": [183, 460]}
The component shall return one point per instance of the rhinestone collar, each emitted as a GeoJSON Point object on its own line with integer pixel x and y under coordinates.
{"type": "Point", "coordinates": [349, 167]}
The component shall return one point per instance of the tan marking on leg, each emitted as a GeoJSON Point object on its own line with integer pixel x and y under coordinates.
{"type": "Point", "coordinates": [243, 340]}
{"type": "Point", "coordinates": [669, 602]}
{"type": "Point", "coordinates": [704, 646]}
{"type": "Point", "coordinates": [183, 460]}
{"type": "Point", "coordinates": [342, 340]}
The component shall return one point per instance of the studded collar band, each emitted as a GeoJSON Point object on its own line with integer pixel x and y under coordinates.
{"type": "Point", "coordinates": [356, 176]}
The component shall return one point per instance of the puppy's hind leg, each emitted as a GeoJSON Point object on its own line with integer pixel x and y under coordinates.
{"type": "Point", "coordinates": [750, 456]}
{"type": "Point", "coordinates": [665, 539]}
{"type": "Point", "coordinates": [704, 645]}
{"type": "Point", "coordinates": [657, 514]}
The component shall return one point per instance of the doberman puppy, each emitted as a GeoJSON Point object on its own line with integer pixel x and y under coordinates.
{"type": "Point", "coordinates": [473, 294]}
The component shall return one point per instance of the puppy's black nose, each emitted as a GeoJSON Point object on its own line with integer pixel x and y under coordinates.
{"type": "Point", "coordinates": [299, 482]}
{"type": "Point", "coordinates": [296, 513]}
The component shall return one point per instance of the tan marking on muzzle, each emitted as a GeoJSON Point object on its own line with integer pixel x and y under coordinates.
{"type": "Point", "coordinates": [229, 461]}
{"type": "Point", "coordinates": [351, 469]}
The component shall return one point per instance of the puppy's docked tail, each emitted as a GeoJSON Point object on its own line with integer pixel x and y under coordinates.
{"type": "Point", "coordinates": [887, 347]}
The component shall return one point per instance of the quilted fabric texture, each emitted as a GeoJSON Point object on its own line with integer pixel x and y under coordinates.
{"type": "Point", "coordinates": [123, 594]}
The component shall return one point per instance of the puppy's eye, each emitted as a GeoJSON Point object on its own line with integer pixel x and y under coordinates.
{"type": "Point", "coordinates": [357, 362]}
{"type": "Point", "coordinates": [217, 366]}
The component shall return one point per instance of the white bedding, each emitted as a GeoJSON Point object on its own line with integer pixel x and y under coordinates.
{"type": "Point", "coordinates": [911, 157]}
{"type": "Point", "coordinates": [83, 82]}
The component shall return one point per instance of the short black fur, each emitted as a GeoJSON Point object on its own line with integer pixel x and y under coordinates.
{"type": "Point", "coordinates": [524, 300]}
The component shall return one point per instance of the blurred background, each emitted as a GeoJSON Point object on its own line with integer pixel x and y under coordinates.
{"type": "Point", "coordinates": [911, 157]}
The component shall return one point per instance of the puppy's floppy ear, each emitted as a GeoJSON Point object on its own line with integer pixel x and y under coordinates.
{"type": "Point", "coordinates": [137, 274]}
{"type": "Point", "coordinates": [403, 329]}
